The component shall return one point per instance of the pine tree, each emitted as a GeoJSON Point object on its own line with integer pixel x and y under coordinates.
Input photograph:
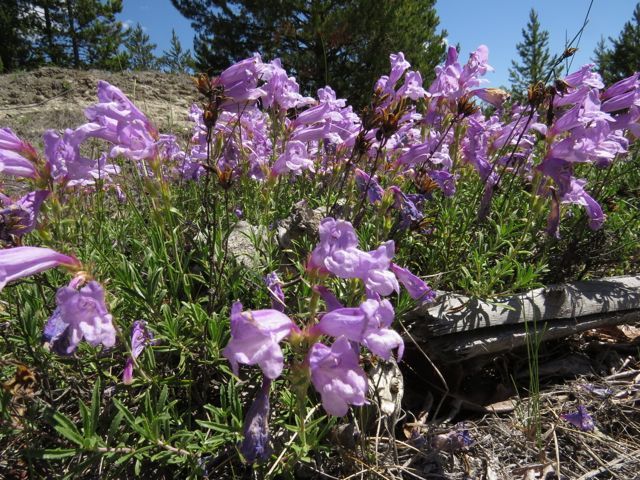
{"type": "Point", "coordinates": [602, 59]}
{"type": "Point", "coordinates": [52, 28]}
{"type": "Point", "coordinates": [344, 44]}
{"type": "Point", "coordinates": [175, 60]}
{"type": "Point", "coordinates": [96, 37]}
{"type": "Point", "coordinates": [535, 59]}
{"type": "Point", "coordinates": [139, 50]}
{"type": "Point", "coordinates": [19, 24]}
{"type": "Point", "coordinates": [78, 33]}
{"type": "Point", "coordinates": [623, 58]}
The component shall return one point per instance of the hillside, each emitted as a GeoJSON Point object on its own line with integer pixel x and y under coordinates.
{"type": "Point", "coordinates": [31, 102]}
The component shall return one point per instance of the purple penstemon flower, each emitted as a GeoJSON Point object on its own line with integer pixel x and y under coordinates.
{"type": "Point", "coordinates": [367, 324]}
{"type": "Point", "coordinates": [374, 191]}
{"type": "Point", "coordinates": [19, 262]}
{"type": "Point", "coordinates": [116, 105]}
{"type": "Point", "coordinates": [79, 314]}
{"type": "Point", "coordinates": [412, 87]}
{"type": "Point", "coordinates": [282, 91]}
{"type": "Point", "coordinates": [337, 375]}
{"type": "Point", "coordinates": [398, 66]}
{"type": "Point", "coordinates": [454, 81]}
{"type": "Point", "coordinates": [66, 165]}
{"type": "Point", "coordinates": [493, 96]}
{"type": "Point", "coordinates": [312, 115]}
{"type": "Point", "coordinates": [375, 271]}
{"type": "Point", "coordinates": [571, 190]}
{"type": "Point", "coordinates": [15, 165]}
{"type": "Point", "coordinates": [17, 157]}
{"type": "Point", "coordinates": [409, 213]}
{"type": "Point", "coordinates": [274, 285]}
{"type": "Point", "coordinates": [329, 298]}
{"type": "Point", "coordinates": [418, 289]}
{"type": "Point", "coordinates": [577, 195]}
{"type": "Point", "coordinates": [135, 141]}
{"type": "Point", "coordinates": [10, 141]}
{"type": "Point", "coordinates": [445, 180]}
{"type": "Point", "coordinates": [371, 267]}
{"type": "Point", "coordinates": [20, 217]}
{"type": "Point", "coordinates": [239, 84]}
{"type": "Point", "coordinates": [255, 338]}
{"type": "Point", "coordinates": [580, 419]}
{"type": "Point", "coordinates": [335, 235]}
{"type": "Point", "coordinates": [295, 159]}
{"type": "Point", "coordinates": [141, 337]}
{"type": "Point", "coordinates": [338, 253]}
{"type": "Point", "coordinates": [255, 445]}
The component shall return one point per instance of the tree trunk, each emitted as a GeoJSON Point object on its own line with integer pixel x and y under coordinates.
{"type": "Point", "coordinates": [73, 35]}
{"type": "Point", "coordinates": [53, 57]}
{"type": "Point", "coordinates": [456, 327]}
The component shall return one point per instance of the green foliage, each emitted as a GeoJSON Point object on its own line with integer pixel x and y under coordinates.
{"type": "Point", "coordinates": [139, 50]}
{"type": "Point", "coordinates": [163, 252]}
{"type": "Point", "coordinates": [622, 58]}
{"type": "Point", "coordinates": [96, 36]}
{"type": "Point", "coordinates": [602, 59]}
{"type": "Point", "coordinates": [18, 23]}
{"type": "Point", "coordinates": [183, 414]}
{"type": "Point", "coordinates": [535, 60]}
{"type": "Point", "coordinates": [175, 60]}
{"type": "Point", "coordinates": [70, 33]}
{"type": "Point", "coordinates": [322, 42]}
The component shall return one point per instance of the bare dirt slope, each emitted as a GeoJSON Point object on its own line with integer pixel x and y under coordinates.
{"type": "Point", "coordinates": [50, 97]}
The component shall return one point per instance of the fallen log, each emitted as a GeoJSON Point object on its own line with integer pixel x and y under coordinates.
{"type": "Point", "coordinates": [457, 327]}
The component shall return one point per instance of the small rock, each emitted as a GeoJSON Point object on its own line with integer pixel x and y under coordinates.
{"type": "Point", "coordinates": [241, 244]}
{"type": "Point", "coordinates": [387, 387]}
{"type": "Point", "coordinates": [303, 220]}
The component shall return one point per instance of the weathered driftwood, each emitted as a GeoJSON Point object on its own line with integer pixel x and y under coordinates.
{"type": "Point", "coordinates": [459, 327]}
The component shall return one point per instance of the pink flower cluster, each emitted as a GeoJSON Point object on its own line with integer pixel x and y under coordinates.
{"type": "Point", "coordinates": [81, 312]}
{"type": "Point", "coordinates": [334, 370]}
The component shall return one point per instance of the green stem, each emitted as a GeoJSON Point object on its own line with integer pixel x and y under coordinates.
{"type": "Point", "coordinates": [302, 413]}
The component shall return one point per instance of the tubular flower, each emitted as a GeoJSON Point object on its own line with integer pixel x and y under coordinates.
{"type": "Point", "coordinates": [367, 324]}
{"type": "Point", "coordinates": [19, 217]}
{"type": "Point", "coordinates": [274, 285]}
{"type": "Point", "coordinates": [335, 235]}
{"type": "Point", "coordinates": [10, 141]}
{"type": "Point", "coordinates": [417, 288]}
{"type": "Point", "coordinates": [141, 337]}
{"type": "Point", "coordinates": [66, 165]}
{"type": "Point", "coordinates": [329, 298]}
{"type": "Point", "coordinates": [371, 267]}
{"type": "Point", "coordinates": [255, 445]}
{"type": "Point", "coordinates": [338, 253]}
{"type": "Point", "coordinates": [17, 157]}
{"type": "Point", "coordinates": [116, 105]}
{"type": "Point", "coordinates": [19, 262]}
{"type": "Point", "coordinates": [80, 314]}
{"type": "Point", "coordinates": [622, 94]}
{"type": "Point", "coordinates": [294, 159]}
{"type": "Point", "coordinates": [337, 376]}
{"type": "Point", "coordinates": [239, 84]}
{"type": "Point", "coordinates": [409, 212]}
{"type": "Point", "coordinates": [580, 419]}
{"type": "Point", "coordinates": [255, 338]}
{"type": "Point", "coordinates": [364, 182]}
{"type": "Point", "coordinates": [282, 91]}
{"type": "Point", "coordinates": [493, 96]}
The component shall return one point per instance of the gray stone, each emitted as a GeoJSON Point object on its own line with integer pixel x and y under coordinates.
{"type": "Point", "coordinates": [241, 245]}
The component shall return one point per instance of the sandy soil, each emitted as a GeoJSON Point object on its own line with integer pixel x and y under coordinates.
{"type": "Point", "coordinates": [32, 102]}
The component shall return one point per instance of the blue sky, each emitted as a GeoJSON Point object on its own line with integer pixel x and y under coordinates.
{"type": "Point", "coordinates": [496, 23]}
